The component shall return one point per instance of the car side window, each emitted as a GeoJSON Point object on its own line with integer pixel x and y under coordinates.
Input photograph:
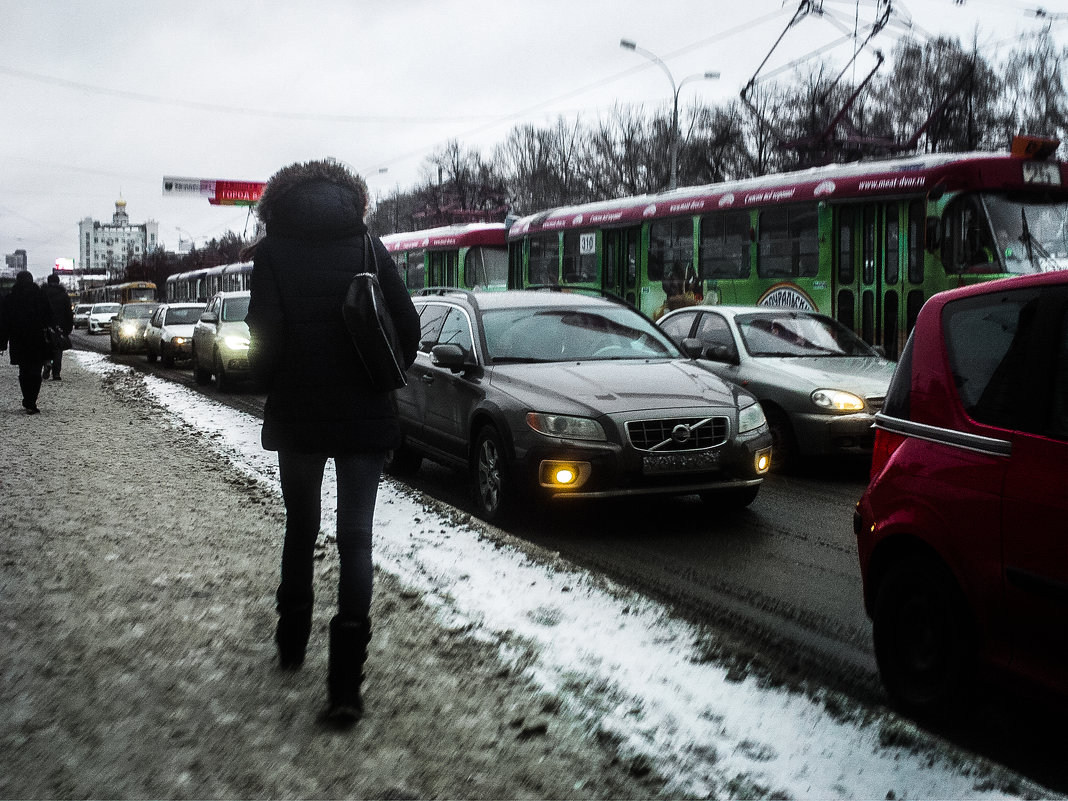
{"type": "Point", "coordinates": [678, 325]}
{"type": "Point", "coordinates": [456, 330]}
{"type": "Point", "coordinates": [1007, 353]}
{"type": "Point", "coordinates": [713, 330]}
{"type": "Point", "coordinates": [431, 317]}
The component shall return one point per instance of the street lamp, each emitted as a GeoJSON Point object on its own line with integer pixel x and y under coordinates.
{"type": "Point", "coordinates": [627, 44]}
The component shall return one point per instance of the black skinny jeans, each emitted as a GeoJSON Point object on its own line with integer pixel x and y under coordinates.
{"type": "Point", "coordinates": [30, 381]}
{"type": "Point", "coordinates": [301, 475]}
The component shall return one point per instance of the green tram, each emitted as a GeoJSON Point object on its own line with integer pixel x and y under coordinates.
{"type": "Point", "coordinates": [471, 256]}
{"type": "Point", "coordinates": [866, 243]}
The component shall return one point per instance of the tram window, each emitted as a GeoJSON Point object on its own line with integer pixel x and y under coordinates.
{"type": "Point", "coordinates": [869, 246]}
{"type": "Point", "coordinates": [915, 242]}
{"type": "Point", "coordinates": [892, 268]}
{"type": "Point", "coordinates": [544, 264]}
{"type": "Point", "coordinates": [671, 253]}
{"type": "Point", "coordinates": [414, 272]}
{"type": "Point", "coordinates": [867, 315]}
{"type": "Point", "coordinates": [724, 245]}
{"type": "Point", "coordinates": [913, 304]}
{"type": "Point", "coordinates": [890, 306]}
{"type": "Point", "coordinates": [845, 246]}
{"type": "Point", "coordinates": [967, 243]}
{"type": "Point", "coordinates": [443, 265]}
{"type": "Point", "coordinates": [486, 267]}
{"type": "Point", "coordinates": [579, 266]}
{"type": "Point", "coordinates": [789, 243]}
{"type": "Point", "coordinates": [846, 313]}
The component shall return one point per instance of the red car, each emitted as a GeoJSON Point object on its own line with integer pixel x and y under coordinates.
{"type": "Point", "coordinates": [963, 531]}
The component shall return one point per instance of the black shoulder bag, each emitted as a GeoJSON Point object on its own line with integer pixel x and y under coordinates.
{"type": "Point", "coordinates": [371, 326]}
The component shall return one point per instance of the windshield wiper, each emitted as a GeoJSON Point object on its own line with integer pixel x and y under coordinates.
{"type": "Point", "coordinates": [519, 360]}
{"type": "Point", "coordinates": [1033, 245]}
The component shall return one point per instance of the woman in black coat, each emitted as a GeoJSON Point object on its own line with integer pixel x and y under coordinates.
{"type": "Point", "coordinates": [319, 402]}
{"type": "Point", "coordinates": [26, 315]}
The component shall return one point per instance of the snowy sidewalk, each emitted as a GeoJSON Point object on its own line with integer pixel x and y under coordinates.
{"type": "Point", "coordinates": [136, 611]}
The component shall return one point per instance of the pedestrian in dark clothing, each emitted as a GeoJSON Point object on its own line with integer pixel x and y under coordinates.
{"type": "Point", "coordinates": [63, 315]}
{"type": "Point", "coordinates": [22, 326]}
{"type": "Point", "coordinates": [320, 404]}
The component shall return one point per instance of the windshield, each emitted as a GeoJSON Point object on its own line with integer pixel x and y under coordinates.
{"type": "Point", "coordinates": [83, 308]}
{"type": "Point", "coordinates": [234, 310]}
{"type": "Point", "coordinates": [573, 334]}
{"type": "Point", "coordinates": [184, 316]}
{"type": "Point", "coordinates": [791, 334]}
{"type": "Point", "coordinates": [106, 308]}
{"type": "Point", "coordinates": [1031, 236]}
{"type": "Point", "coordinates": [138, 312]}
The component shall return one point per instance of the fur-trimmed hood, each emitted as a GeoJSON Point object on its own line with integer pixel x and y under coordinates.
{"type": "Point", "coordinates": [314, 200]}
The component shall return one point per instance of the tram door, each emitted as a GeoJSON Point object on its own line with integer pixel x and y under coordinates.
{"type": "Point", "coordinates": [619, 265]}
{"type": "Point", "coordinates": [867, 272]}
{"type": "Point", "coordinates": [443, 268]}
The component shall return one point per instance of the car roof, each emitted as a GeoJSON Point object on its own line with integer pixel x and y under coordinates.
{"type": "Point", "coordinates": [734, 311]}
{"type": "Point", "coordinates": [184, 305]}
{"type": "Point", "coordinates": [1047, 279]}
{"type": "Point", "coordinates": [236, 294]}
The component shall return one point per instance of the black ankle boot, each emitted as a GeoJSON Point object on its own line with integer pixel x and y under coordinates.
{"type": "Point", "coordinates": [348, 652]}
{"type": "Point", "coordinates": [294, 628]}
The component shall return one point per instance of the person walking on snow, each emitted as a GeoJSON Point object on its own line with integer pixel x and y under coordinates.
{"type": "Point", "coordinates": [320, 404]}
{"type": "Point", "coordinates": [63, 314]}
{"type": "Point", "coordinates": [26, 315]}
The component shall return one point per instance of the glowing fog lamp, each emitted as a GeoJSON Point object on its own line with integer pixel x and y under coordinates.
{"type": "Point", "coordinates": [564, 475]}
{"type": "Point", "coordinates": [762, 461]}
{"type": "Point", "coordinates": [178, 340]}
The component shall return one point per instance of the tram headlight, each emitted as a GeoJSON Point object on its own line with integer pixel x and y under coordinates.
{"type": "Point", "coordinates": [566, 426]}
{"type": "Point", "coordinates": [835, 400]}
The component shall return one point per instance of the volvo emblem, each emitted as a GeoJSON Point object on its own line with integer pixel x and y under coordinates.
{"type": "Point", "coordinates": [681, 433]}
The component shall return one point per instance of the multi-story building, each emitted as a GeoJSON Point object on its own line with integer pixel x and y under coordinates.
{"type": "Point", "coordinates": [106, 249]}
{"type": "Point", "coordinates": [16, 261]}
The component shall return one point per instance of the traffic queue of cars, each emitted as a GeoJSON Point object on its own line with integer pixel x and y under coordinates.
{"type": "Point", "coordinates": [962, 533]}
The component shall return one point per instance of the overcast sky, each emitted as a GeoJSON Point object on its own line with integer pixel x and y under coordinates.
{"type": "Point", "coordinates": [101, 100]}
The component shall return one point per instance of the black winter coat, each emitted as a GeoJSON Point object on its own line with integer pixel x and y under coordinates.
{"type": "Point", "coordinates": [62, 312]}
{"type": "Point", "coordinates": [318, 398]}
{"type": "Point", "coordinates": [26, 314]}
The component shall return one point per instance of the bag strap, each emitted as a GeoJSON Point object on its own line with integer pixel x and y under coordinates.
{"type": "Point", "coordinates": [370, 260]}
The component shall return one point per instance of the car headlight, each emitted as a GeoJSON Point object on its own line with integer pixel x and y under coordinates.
{"type": "Point", "coordinates": [178, 341]}
{"type": "Point", "coordinates": [566, 426]}
{"type": "Point", "coordinates": [750, 418]}
{"type": "Point", "coordinates": [835, 400]}
{"type": "Point", "coordinates": [129, 329]}
{"type": "Point", "coordinates": [234, 342]}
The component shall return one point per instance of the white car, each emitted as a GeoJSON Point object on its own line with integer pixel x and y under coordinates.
{"type": "Point", "coordinates": [100, 317]}
{"type": "Point", "coordinates": [169, 335]}
{"type": "Point", "coordinates": [220, 341]}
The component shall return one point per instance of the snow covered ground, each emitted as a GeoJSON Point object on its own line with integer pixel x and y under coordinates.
{"type": "Point", "coordinates": [621, 660]}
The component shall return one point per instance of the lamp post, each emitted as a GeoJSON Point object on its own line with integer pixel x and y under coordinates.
{"type": "Point", "coordinates": [627, 44]}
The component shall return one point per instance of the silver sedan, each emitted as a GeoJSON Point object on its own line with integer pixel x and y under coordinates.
{"type": "Point", "coordinates": [819, 383]}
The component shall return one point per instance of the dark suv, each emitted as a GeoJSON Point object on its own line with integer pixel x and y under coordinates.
{"type": "Point", "coordinates": [561, 395]}
{"type": "Point", "coordinates": [963, 530]}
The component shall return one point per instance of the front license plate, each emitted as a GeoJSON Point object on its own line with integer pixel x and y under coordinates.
{"type": "Point", "coordinates": [659, 463]}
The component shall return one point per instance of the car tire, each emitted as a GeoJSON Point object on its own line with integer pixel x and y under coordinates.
{"type": "Point", "coordinates": [923, 637]}
{"type": "Point", "coordinates": [222, 380]}
{"type": "Point", "coordinates": [783, 440]}
{"type": "Point", "coordinates": [166, 356]}
{"type": "Point", "coordinates": [491, 485]}
{"type": "Point", "coordinates": [200, 375]}
{"type": "Point", "coordinates": [402, 462]}
{"type": "Point", "coordinates": [150, 356]}
{"type": "Point", "coordinates": [114, 346]}
{"type": "Point", "coordinates": [733, 498]}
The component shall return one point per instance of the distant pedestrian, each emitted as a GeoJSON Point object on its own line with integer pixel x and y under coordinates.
{"type": "Point", "coordinates": [26, 315]}
{"type": "Point", "coordinates": [63, 315]}
{"type": "Point", "coordinates": [320, 405]}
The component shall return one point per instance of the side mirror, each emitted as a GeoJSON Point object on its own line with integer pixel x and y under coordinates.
{"type": "Point", "coordinates": [450, 356]}
{"type": "Point", "coordinates": [721, 353]}
{"type": "Point", "coordinates": [209, 317]}
{"type": "Point", "coordinates": [693, 348]}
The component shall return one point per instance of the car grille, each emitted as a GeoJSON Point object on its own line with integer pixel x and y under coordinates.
{"type": "Point", "coordinates": [678, 433]}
